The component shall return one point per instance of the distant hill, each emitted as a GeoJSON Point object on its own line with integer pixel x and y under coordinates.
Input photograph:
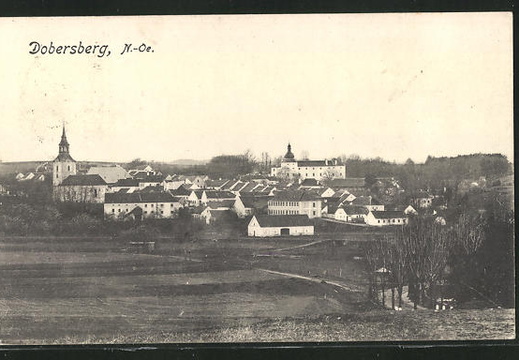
{"type": "Point", "coordinates": [19, 166]}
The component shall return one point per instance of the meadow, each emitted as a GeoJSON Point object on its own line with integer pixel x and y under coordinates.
{"type": "Point", "coordinates": [102, 290]}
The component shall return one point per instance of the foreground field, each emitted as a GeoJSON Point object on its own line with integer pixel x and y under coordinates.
{"type": "Point", "coordinates": [69, 290]}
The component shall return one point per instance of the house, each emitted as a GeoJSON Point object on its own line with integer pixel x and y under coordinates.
{"type": "Point", "coordinates": [353, 185]}
{"type": "Point", "coordinates": [151, 180]}
{"type": "Point", "coordinates": [216, 184]}
{"type": "Point", "coordinates": [422, 200]}
{"type": "Point", "coordinates": [81, 189]}
{"type": "Point", "coordinates": [216, 195]}
{"type": "Point", "coordinates": [280, 225]}
{"type": "Point", "coordinates": [368, 202]}
{"type": "Point", "coordinates": [356, 214]}
{"type": "Point", "coordinates": [291, 168]}
{"type": "Point", "coordinates": [250, 204]}
{"type": "Point", "coordinates": [385, 218]}
{"type": "Point", "coordinates": [170, 184]}
{"type": "Point", "coordinates": [295, 202]}
{"type": "Point", "coordinates": [151, 204]}
{"type": "Point", "coordinates": [142, 171]}
{"type": "Point", "coordinates": [309, 183]}
{"type": "Point", "coordinates": [129, 185]}
{"type": "Point", "coordinates": [110, 174]}
{"type": "Point", "coordinates": [214, 209]}
{"type": "Point", "coordinates": [326, 192]}
{"type": "Point", "coordinates": [409, 210]}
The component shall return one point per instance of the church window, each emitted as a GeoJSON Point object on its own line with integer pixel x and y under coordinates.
{"type": "Point", "coordinates": [68, 168]}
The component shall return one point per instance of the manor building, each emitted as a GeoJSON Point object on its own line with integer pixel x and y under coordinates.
{"type": "Point", "coordinates": [293, 169]}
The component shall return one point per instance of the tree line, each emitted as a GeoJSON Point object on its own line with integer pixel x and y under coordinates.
{"type": "Point", "coordinates": [473, 254]}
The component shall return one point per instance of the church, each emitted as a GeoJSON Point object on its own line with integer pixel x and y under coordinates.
{"type": "Point", "coordinates": [319, 170]}
{"type": "Point", "coordinates": [68, 186]}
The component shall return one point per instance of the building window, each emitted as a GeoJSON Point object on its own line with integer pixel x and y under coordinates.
{"type": "Point", "coordinates": [68, 167]}
{"type": "Point", "coordinates": [57, 168]}
{"type": "Point", "coordinates": [113, 210]}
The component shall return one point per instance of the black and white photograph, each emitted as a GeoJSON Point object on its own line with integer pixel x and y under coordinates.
{"type": "Point", "coordinates": [268, 178]}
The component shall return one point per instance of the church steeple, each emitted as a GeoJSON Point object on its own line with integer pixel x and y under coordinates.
{"type": "Point", "coordinates": [64, 145]}
{"type": "Point", "coordinates": [63, 165]}
{"type": "Point", "coordinates": [289, 156]}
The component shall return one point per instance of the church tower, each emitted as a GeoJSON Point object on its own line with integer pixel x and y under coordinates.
{"type": "Point", "coordinates": [63, 165]}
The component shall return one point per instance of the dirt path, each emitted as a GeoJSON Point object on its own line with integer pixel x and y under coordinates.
{"type": "Point", "coordinates": [313, 279]}
{"type": "Point", "coordinates": [300, 246]}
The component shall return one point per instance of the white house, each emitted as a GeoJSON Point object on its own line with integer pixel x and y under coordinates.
{"type": "Point", "coordinates": [149, 204]}
{"type": "Point", "coordinates": [280, 225]}
{"type": "Point", "coordinates": [351, 213]}
{"type": "Point", "coordinates": [386, 218]}
{"type": "Point", "coordinates": [296, 202]}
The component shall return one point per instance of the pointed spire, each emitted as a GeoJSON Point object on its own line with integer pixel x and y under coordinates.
{"type": "Point", "coordinates": [63, 145]}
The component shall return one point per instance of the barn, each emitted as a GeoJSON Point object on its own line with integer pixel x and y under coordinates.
{"type": "Point", "coordinates": [280, 225]}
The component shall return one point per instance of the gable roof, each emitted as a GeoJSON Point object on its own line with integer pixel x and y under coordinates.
{"type": "Point", "coordinates": [388, 214]}
{"type": "Point", "coordinates": [355, 210]}
{"type": "Point", "coordinates": [283, 220]}
{"type": "Point", "coordinates": [83, 180]}
{"type": "Point", "coordinates": [309, 182]}
{"type": "Point", "coordinates": [217, 194]}
{"type": "Point", "coordinates": [347, 183]}
{"type": "Point", "coordinates": [181, 191]}
{"type": "Point", "coordinates": [127, 182]}
{"type": "Point", "coordinates": [362, 200]}
{"type": "Point", "coordinates": [139, 197]}
{"type": "Point", "coordinates": [309, 163]}
{"type": "Point", "coordinates": [220, 204]}
{"type": "Point", "coordinates": [296, 195]}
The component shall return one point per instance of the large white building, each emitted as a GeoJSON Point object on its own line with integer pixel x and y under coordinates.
{"type": "Point", "coordinates": [280, 225]}
{"type": "Point", "coordinates": [297, 202]}
{"type": "Point", "coordinates": [316, 169]}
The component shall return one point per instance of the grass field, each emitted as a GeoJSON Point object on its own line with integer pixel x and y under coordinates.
{"type": "Point", "coordinates": [90, 290]}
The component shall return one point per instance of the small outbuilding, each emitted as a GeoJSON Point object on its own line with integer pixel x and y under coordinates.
{"type": "Point", "coordinates": [280, 225]}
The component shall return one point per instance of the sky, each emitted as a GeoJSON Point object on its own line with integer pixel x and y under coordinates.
{"type": "Point", "coordinates": [394, 86]}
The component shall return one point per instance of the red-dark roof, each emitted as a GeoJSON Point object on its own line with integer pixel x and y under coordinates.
{"type": "Point", "coordinates": [296, 195]}
{"type": "Point", "coordinates": [347, 183]}
{"type": "Point", "coordinates": [126, 182]}
{"type": "Point", "coordinates": [388, 214]}
{"type": "Point", "coordinates": [83, 180]}
{"type": "Point", "coordinates": [216, 194]}
{"type": "Point", "coordinates": [139, 197]}
{"type": "Point", "coordinates": [355, 210]}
